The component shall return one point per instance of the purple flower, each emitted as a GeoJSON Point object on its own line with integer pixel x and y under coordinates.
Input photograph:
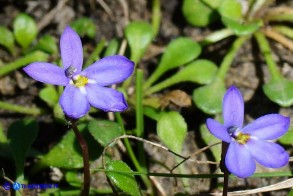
{"type": "Point", "coordinates": [248, 144]}
{"type": "Point", "coordinates": [87, 87]}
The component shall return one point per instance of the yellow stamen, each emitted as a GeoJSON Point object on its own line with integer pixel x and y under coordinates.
{"type": "Point", "coordinates": [80, 81]}
{"type": "Point", "coordinates": [242, 138]}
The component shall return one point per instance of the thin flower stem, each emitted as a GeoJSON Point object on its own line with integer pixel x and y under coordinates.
{"type": "Point", "coordinates": [131, 153]}
{"type": "Point", "coordinates": [20, 109]}
{"type": "Point", "coordinates": [224, 168]}
{"type": "Point", "coordinates": [85, 156]}
{"type": "Point", "coordinates": [23, 61]}
{"type": "Point", "coordinates": [267, 53]}
{"type": "Point", "coordinates": [228, 59]}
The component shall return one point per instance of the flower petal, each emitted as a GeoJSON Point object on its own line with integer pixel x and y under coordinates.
{"type": "Point", "coordinates": [110, 70]}
{"type": "Point", "coordinates": [233, 108]}
{"type": "Point", "coordinates": [239, 161]}
{"type": "Point", "coordinates": [218, 130]}
{"type": "Point", "coordinates": [73, 102]}
{"type": "Point", "coordinates": [268, 127]}
{"type": "Point", "coordinates": [71, 49]}
{"type": "Point", "coordinates": [106, 99]}
{"type": "Point", "coordinates": [268, 154]}
{"type": "Point", "coordinates": [47, 73]}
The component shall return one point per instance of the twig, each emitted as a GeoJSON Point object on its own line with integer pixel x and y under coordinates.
{"type": "Point", "coordinates": [106, 8]}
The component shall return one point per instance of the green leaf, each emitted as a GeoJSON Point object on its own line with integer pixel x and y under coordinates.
{"type": "Point", "coordinates": [104, 131]}
{"type": "Point", "coordinates": [84, 27]}
{"type": "Point", "coordinates": [124, 181]}
{"type": "Point", "coordinates": [25, 29]}
{"type": "Point", "coordinates": [209, 139]}
{"type": "Point", "coordinates": [67, 153]}
{"type": "Point", "coordinates": [73, 178]}
{"type": "Point", "coordinates": [287, 138]}
{"type": "Point", "coordinates": [6, 39]}
{"type": "Point", "coordinates": [279, 91]}
{"type": "Point", "coordinates": [209, 98]}
{"type": "Point", "coordinates": [112, 48]}
{"type": "Point", "coordinates": [231, 9]}
{"type": "Point", "coordinates": [3, 138]}
{"type": "Point", "coordinates": [48, 44]}
{"type": "Point", "coordinates": [172, 130]}
{"type": "Point", "coordinates": [242, 29]}
{"type": "Point", "coordinates": [50, 95]}
{"type": "Point", "coordinates": [139, 35]}
{"type": "Point", "coordinates": [199, 12]}
{"type": "Point", "coordinates": [179, 52]}
{"type": "Point", "coordinates": [21, 135]}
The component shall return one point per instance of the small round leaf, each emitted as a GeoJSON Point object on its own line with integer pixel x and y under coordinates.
{"type": "Point", "coordinates": [25, 29]}
{"type": "Point", "coordinates": [6, 39]}
{"type": "Point", "coordinates": [124, 181]}
{"type": "Point", "coordinates": [280, 92]}
{"type": "Point", "coordinates": [172, 130]}
{"type": "Point", "coordinates": [139, 35]}
{"type": "Point", "coordinates": [199, 13]}
{"type": "Point", "coordinates": [209, 98]}
{"type": "Point", "coordinates": [84, 27]}
{"type": "Point", "coordinates": [104, 131]}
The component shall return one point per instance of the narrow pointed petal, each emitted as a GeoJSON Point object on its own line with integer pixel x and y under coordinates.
{"type": "Point", "coordinates": [239, 161]}
{"type": "Point", "coordinates": [73, 103]}
{"type": "Point", "coordinates": [218, 130]}
{"type": "Point", "coordinates": [268, 127]}
{"type": "Point", "coordinates": [268, 154]}
{"type": "Point", "coordinates": [47, 73]}
{"type": "Point", "coordinates": [110, 70]}
{"type": "Point", "coordinates": [71, 49]}
{"type": "Point", "coordinates": [106, 99]}
{"type": "Point", "coordinates": [233, 108]}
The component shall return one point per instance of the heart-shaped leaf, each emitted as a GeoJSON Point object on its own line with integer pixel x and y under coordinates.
{"type": "Point", "coordinates": [124, 181]}
{"type": "Point", "coordinates": [172, 130]}
{"type": "Point", "coordinates": [179, 52]}
{"type": "Point", "coordinates": [104, 131]}
{"type": "Point", "coordinates": [200, 71]}
{"type": "Point", "coordinates": [50, 95]}
{"type": "Point", "coordinates": [25, 29]}
{"type": "Point", "coordinates": [21, 135]}
{"type": "Point", "coordinates": [242, 29]}
{"type": "Point", "coordinates": [139, 35]}
{"type": "Point", "coordinates": [199, 12]}
{"type": "Point", "coordinates": [231, 9]}
{"type": "Point", "coordinates": [48, 44]}
{"type": "Point", "coordinates": [279, 91]}
{"type": "Point", "coordinates": [84, 27]}
{"type": "Point", "coordinates": [6, 39]}
{"type": "Point", "coordinates": [209, 98]}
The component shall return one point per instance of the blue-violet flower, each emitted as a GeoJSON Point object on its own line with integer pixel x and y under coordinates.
{"type": "Point", "coordinates": [249, 143]}
{"type": "Point", "coordinates": [87, 87]}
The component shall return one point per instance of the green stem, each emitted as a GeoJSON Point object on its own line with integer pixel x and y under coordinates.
{"type": "Point", "coordinates": [267, 53]}
{"type": "Point", "coordinates": [95, 54]}
{"type": "Point", "coordinates": [155, 75]}
{"type": "Point", "coordinates": [139, 106]}
{"type": "Point", "coordinates": [216, 36]}
{"type": "Point", "coordinates": [131, 153]}
{"type": "Point", "coordinates": [157, 87]}
{"type": "Point", "coordinates": [228, 59]}
{"type": "Point", "coordinates": [23, 61]}
{"type": "Point", "coordinates": [20, 109]}
{"type": "Point", "coordinates": [285, 30]}
{"type": "Point", "coordinates": [156, 17]}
